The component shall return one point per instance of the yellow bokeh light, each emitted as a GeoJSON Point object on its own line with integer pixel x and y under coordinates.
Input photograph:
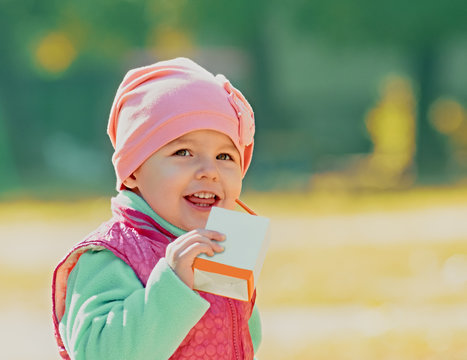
{"type": "Point", "coordinates": [55, 52]}
{"type": "Point", "coordinates": [170, 41]}
{"type": "Point", "coordinates": [446, 115]}
{"type": "Point", "coordinates": [391, 125]}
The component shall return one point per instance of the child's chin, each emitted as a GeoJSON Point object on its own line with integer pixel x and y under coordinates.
{"type": "Point", "coordinates": [194, 224]}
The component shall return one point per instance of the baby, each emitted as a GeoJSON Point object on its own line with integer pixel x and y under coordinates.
{"type": "Point", "coordinates": [183, 142]}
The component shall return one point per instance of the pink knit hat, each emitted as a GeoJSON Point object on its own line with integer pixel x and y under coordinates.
{"type": "Point", "coordinates": [158, 103]}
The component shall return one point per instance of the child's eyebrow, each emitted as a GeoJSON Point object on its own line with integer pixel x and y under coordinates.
{"type": "Point", "coordinates": [179, 142]}
{"type": "Point", "coordinates": [187, 142]}
{"type": "Point", "coordinates": [230, 147]}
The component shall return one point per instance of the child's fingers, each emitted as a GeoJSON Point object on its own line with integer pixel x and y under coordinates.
{"type": "Point", "coordinates": [178, 249]}
{"type": "Point", "coordinates": [181, 253]}
{"type": "Point", "coordinates": [213, 235]}
{"type": "Point", "coordinates": [181, 261]}
{"type": "Point", "coordinates": [187, 241]}
{"type": "Point", "coordinates": [210, 234]}
{"type": "Point", "coordinates": [197, 248]}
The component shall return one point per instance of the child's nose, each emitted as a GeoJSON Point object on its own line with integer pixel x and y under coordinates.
{"type": "Point", "coordinates": [207, 169]}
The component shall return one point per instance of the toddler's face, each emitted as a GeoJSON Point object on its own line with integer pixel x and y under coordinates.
{"type": "Point", "coordinates": [185, 178]}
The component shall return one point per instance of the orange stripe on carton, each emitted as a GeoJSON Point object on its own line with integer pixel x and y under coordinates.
{"type": "Point", "coordinates": [227, 270]}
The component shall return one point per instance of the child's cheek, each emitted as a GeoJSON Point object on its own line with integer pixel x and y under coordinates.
{"type": "Point", "coordinates": [235, 194]}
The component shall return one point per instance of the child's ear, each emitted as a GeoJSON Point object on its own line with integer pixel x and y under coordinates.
{"type": "Point", "coordinates": [130, 182]}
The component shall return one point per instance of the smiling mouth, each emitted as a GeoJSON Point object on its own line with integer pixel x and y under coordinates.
{"type": "Point", "coordinates": [203, 199]}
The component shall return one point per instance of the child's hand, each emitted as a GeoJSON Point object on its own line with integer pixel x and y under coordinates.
{"type": "Point", "coordinates": [181, 253]}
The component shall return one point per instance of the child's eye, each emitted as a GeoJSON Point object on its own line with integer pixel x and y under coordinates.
{"type": "Point", "coordinates": [224, 156]}
{"type": "Point", "coordinates": [182, 152]}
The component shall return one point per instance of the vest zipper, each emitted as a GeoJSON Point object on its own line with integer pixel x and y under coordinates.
{"type": "Point", "coordinates": [234, 329]}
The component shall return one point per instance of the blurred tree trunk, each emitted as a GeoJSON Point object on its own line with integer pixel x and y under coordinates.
{"type": "Point", "coordinates": [431, 155]}
{"type": "Point", "coordinates": [261, 81]}
{"type": "Point", "coordinates": [8, 171]}
{"type": "Point", "coordinates": [8, 174]}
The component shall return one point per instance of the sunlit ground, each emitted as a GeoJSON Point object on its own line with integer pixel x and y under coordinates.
{"type": "Point", "coordinates": [370, 276]}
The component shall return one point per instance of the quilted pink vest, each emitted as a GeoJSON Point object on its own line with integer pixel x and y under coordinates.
{"type": "Point", "coordinates": [222, 333]}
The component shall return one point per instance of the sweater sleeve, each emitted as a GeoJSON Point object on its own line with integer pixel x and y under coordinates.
{"type": "Point", "coordinates": [255, 329]}
{"type": "Point", "coordinates": [111, 315]}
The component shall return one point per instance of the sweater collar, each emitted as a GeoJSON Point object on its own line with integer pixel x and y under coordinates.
{"type": "Point", "coordinates": [130, 199]}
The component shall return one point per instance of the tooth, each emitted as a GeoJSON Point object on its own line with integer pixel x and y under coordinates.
{"type": "Point", "coordinates": [204, 195]}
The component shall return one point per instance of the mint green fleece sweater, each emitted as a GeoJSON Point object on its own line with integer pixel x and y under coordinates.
{"type": "Point", "coordinates": [111, 315]}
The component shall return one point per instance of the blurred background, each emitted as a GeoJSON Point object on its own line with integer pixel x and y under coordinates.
{"type": "Point", "coordinates": [360, 159]}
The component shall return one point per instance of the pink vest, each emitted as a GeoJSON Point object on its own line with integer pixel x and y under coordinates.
{"type": "Point", "coordinates": [222, 333]}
